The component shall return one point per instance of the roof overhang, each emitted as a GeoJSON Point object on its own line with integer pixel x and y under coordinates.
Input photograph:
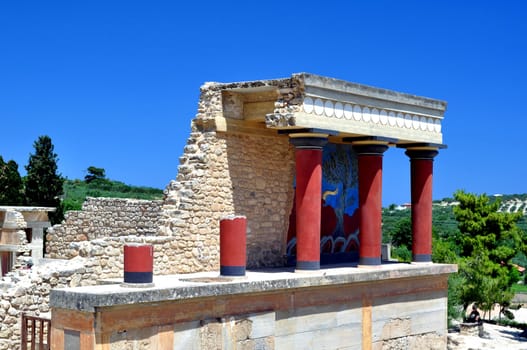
{"type": "Point", "coordinates": [346, 110]}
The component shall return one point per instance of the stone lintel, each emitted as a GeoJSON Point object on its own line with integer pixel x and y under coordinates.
{"type": "Point", "coordinates": [309, 101]}
{"type": "Point", "coordinates": [24, 209]}
{"type": "Point", "coordinates": [182, 287]}
{"type": "Point", "coordinates": [11, 247]}
{"type": "Point", "coordinates": [345, 87]}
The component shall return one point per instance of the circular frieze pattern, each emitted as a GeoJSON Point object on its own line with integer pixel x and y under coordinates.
{"type": "Point", "coordinates": [348, 111]}
{"type": "Point", "coordinates": [319, 106]}
{"type": "Point", "coordinates": [391, 119]}
{"type": "Point", "coordinates": [366, 114]}
{"type": "Point", "coordinates": [373, 115]}
{"type": "Point", "coordinates": [339, 110]}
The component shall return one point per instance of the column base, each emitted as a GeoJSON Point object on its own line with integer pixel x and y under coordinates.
{"type": "Point", "coordinates": [366, 261]}
{"type": "Point", "coordinates": [422, 258]}
{"type": "Point", "coordinates": [138, 277]}
{"type": "Point", "coordinates": [232, 271]}
{"type": "Point", "coordinates": [307, 266]}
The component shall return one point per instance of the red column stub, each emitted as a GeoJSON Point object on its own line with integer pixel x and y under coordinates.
{"type": "Point", "coordinates": [308, 194]}
{"type": "Point", "coordinates": [233, 245]}
{"type": "Point", "coordinates": [421, 163]}
{"type": "Point", "coordinates": [138, 263]}
{"type": "Point", "coordinates": [370, 202]}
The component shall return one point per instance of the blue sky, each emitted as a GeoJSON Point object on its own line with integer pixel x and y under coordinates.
{"type": "Point", "coordinates": [115, 84]}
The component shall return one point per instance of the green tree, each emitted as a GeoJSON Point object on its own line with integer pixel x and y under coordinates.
{"type": "Point", "coordinates": [402, 233]}
{"type": "Point", "coordinates": [94, 173]}
{"type": "Point", "coordinates": [11, 185]}
{"type": "Point", "coordinates": [488, 241]}
{"type": "Point", "coordinates": [44, 185]}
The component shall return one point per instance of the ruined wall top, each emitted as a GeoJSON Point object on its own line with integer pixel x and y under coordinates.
{"type": "Point", "coordinates": [30, 214]}
{"type": "Point", "coordinates": [312, 103]}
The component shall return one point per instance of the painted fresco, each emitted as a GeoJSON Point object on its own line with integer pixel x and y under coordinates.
{"type": "Point", "coordinates": [340, 201]}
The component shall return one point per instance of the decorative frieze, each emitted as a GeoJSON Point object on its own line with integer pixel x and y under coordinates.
{"type": "Point", "coordinates": [350, 110]}
{"type": "Point", "coordinates": [370, 115]}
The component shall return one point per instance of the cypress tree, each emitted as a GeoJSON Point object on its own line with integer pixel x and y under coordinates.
{"type": "Point", "coordinates": [44, 185]}
{"type": "Point", "coordinates": [11, 186]}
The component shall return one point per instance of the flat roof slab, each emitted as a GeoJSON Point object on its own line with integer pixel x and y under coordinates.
{"type": "Point", "coordinates": [346, 109]}
{"type": "Point", "coordinates": [209, 284]}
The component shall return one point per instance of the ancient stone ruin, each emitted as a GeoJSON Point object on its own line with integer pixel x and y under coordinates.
{"type": "Point", "coordinates": [300, 159]}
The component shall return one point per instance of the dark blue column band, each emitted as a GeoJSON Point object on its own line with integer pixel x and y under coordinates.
{"type": "Point", "coordinates": [232, 270]}
{"type": "Point", "coordinates": [422, 258]}
{"type": "Point", "coordinates": [308, 265]}
{"type": "Point", "coordinates": [138, 277]}
{"type": "Point", "coordinates": [369, 261]}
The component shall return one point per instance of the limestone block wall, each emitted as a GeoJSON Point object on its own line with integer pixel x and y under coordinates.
{"type": "Point", "coordinates": [249, 176]}
{"type": "Point", "coordinates": [100, 218]}
{"type": "Point", "coordinates": [229, 173]}
{"type": "Point", "coordinates": [27, 291]}
{"type": "Point", "coordinates": [262, 170]}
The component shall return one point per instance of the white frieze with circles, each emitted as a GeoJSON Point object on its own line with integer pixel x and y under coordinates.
{"type": "Point", "coordinates": [370, 115]}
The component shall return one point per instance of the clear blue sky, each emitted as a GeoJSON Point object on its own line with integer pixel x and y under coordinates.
{"type": "Point", "coordinates": [115, 84]}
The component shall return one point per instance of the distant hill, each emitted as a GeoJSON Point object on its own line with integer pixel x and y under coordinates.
{"type": "Point", "coordinates": [76, 191]}
{"type": "Point", "coordinates": [443, 216]}
{"type": "Point", "coordinates": [510, 203]}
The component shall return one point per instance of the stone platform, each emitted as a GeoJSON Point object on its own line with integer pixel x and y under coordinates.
{"type": "Point", "coordinates": [337, 307]}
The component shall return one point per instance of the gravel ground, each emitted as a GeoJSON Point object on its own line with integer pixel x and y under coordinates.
{"type": "Point", "coordinates": [496, 337]}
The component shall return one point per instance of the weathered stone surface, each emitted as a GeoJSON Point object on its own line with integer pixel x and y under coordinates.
{"type": "Point", "coordinates": [168, 288]}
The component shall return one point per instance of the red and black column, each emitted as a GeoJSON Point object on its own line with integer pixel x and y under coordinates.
{"type": "Point", "coordinates": [370, 201]}
{"type": "Point", "coordinates": [233, 242]}
{"type": "Point", "coordinates": [421, 164]}
{"type": "Point", "coordinates": [138, 263]}
{"type": "Point", "coordinates": [308, 195]}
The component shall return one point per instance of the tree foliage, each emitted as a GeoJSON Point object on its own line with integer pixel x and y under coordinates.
{"type": "Point", "coordinates": [402, 233]}
{"type": "Point", "coordinates": [44, 185]}
{"type": "Point", "coordinates": [94, 173]}
{"type": "Point", "coordinates": [489, 240]}
{"type": "Point", "coordinates": [11, 185]}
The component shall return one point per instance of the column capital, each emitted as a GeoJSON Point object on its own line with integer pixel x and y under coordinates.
{"type": "Point", "coordinates": [370, 145]}
{"type": "Point", "coordinates": [425, 151]}
{"type": "Point", "coordinates": [420, 153]}
{"type": "Point", "coordinates": [370, 149]}
{"type": "Point", "coordinates": [313, 141]}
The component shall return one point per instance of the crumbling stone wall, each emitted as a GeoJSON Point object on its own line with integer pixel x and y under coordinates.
{"type": "Point", "coordinates": [101, 218]}
{"type": "Point", "coordinates": [242, 179]}
{"type": "Point", "coordinates": [27, 291]}
{"type": "Point", "coordinates": [229, 174]}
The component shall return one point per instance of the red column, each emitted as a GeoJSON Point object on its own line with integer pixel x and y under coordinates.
{"type": "Point", "coordinates": [308, 198]}
{"type": "Point", "coordinates": [421, 163]}
{"type": "Point", "coordinates": [233, 242]}
{"type": "Point", "coordinates": [138, 263]}
{"type": "Point", "coordinates": [370, 202]}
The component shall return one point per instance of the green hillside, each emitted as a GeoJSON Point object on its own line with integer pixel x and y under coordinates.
{"type": "Point", "coordinates": [443, 220]}
{"type": "Point", "coordinates": [76, 191]}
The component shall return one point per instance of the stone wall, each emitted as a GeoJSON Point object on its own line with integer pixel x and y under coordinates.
{"type": "Point", "coordinates": [229, 173]}
{"type": "Point", "coordinates": [101, 218]}
{"type": "Point", "coordinates": [27, 291]}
